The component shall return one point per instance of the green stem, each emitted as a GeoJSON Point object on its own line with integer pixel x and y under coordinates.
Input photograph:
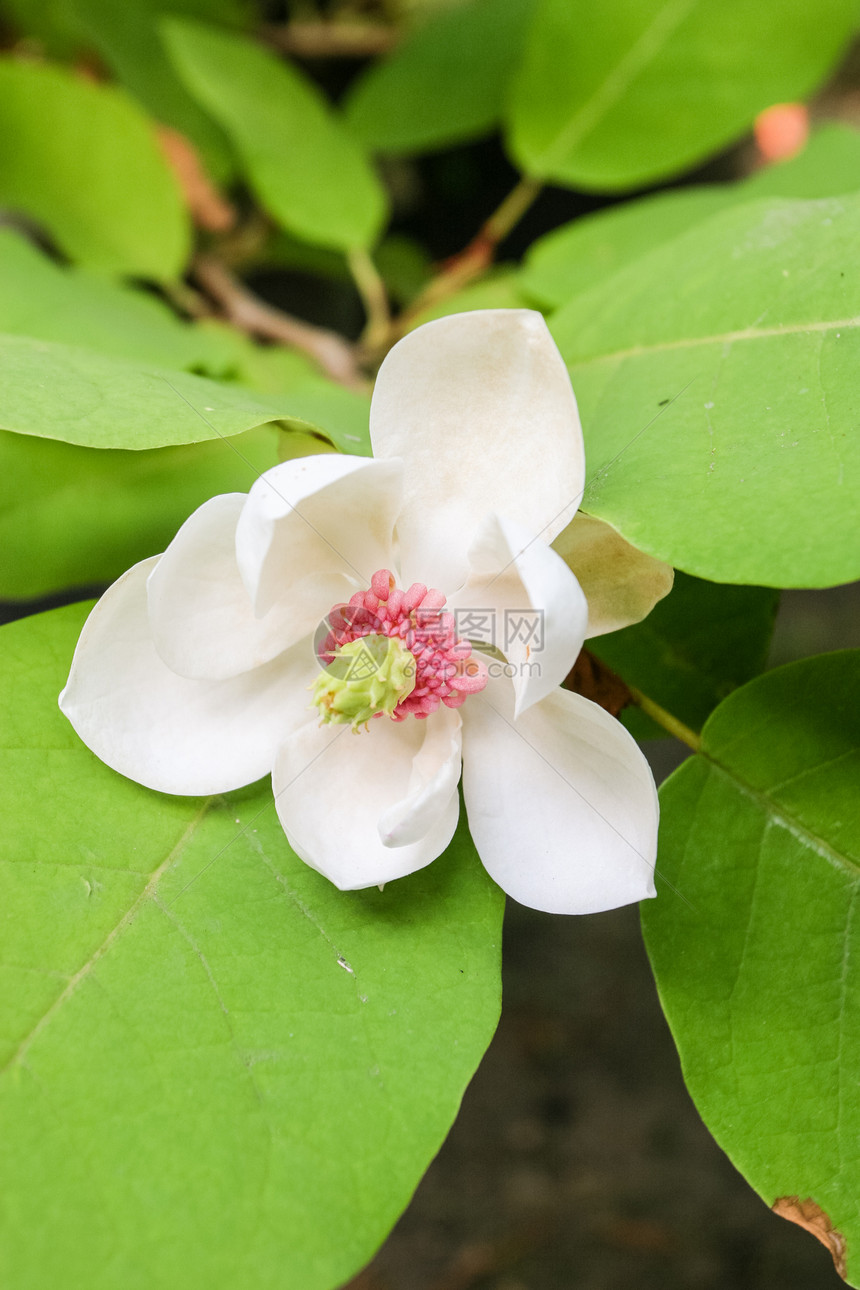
{"type": "Point", "coordinates": [510, 212]}
{"type": "Point", "coordinates": [665, 719]}
{"type": "Point", "coordinates": [373, 294]}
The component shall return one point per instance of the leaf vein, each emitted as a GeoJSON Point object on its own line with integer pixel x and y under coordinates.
{"type": "Point", "coordinates": [638, 56]}
{"type": "Point", "coordinates": [784, 819]}
{"type": "Point", "coordinates": [82, 972]}
{"type": "Point", "coordinates": [720, 338]}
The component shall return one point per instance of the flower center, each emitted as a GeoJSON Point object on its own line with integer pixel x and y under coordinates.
{"type": "Point", "coordinates": [395, 653]}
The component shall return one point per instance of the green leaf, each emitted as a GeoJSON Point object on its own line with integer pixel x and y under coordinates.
{"type": "Point", "coordinates": [829, 166]}
{"type": "Point", "coordinates": [39, 298]}
{"type": "Point", "coordinates": [405, 266]}
{"type": "Point", "coordinates": [693, 649]}
{"type": "Point", "coordinates": [232, 13]}
{"type": "Point", "coordinates": [62, 392]}
{"type": "Point", "coordinates": [342, 415]}
{"type": "Point", "coordinates": [56, 25]}
{"type": "Point", "coordinates": [308, 172]}
{"type": "Point", "coordinates": [213, 1060]}
{"type": "Point", "coordinates": [753, 937]}
{"type": "Point", "coordinates": [52, 25]}
{"type": "Point", "coordinates": [78, 517]}
{"type": "Point", "coordinates": [578, 255]}
{"type": "Point", "coordinates": [445, 83]}
{"type": "Point", "coordinates": [640, 91]}
{"type": "Point", "coordinates": [716, 378]}
{"type": "Point", "coordinates": [589, 250]}
{"type": "Point", "coordinates": [127, 37]}
{"type": "Point", "coordinates": [82, 160]}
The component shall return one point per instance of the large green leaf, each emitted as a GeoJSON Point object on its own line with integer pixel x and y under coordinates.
{"type": "Point", "coordinates": [82, 160]}
{"type": "Point", "coordinates": [39, 299]}
{"type": "Point", "coordinates": [445, 83]}
{"type": "Point", "coordinates": [306, 169]}
{"type": "Point", "coordinates": [639, 90]}
{"type": "Point", "coordinates": [77, 517]}
{"type": "Point", "coordinates": [693, 649]}
{"type": "Point", "coordinates": [754, 940]}
{"type": "Point", "coordinates": [217, 1069]}
{"type": "Point", "coordinates": [83, 397]}
{"type": "Point", "coordinates": [578, 255]}
{"type": "Point", "coordinates": [717, 379]}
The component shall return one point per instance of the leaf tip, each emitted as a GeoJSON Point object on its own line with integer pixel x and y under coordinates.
{"type": "Point", "coordinates": [809, 1215]}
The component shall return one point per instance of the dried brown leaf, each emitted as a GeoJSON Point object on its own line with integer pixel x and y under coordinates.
{"type": "Point", "coordinates": [594, 680]}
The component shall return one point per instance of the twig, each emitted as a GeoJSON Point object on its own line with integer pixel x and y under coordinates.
{"type": "Point", "coordinates": [241, 307]}
{"type": "Point", "coordinates": [246, 242]}
{"type": "Point", "coordinates": [333, 39]}
{"type": "Point", "coordinates": [474, 259]}
{"type": "Point", "coordinates": [186, 300]}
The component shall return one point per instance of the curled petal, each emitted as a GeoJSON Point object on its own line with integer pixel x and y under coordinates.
{"type": "Point", "coordinates": [479, 408]}
{"type": "Point", "coordinates": [621, 583]}
{"type": "Point", "coordinates": [316, 528]}
{"type": "Point", "coordinates": [562, 805]}
{"type": "Point", "coordinates": [169, 732]}
{"type": "Point", "coordinates": [365, 808]}
{"type": "Point", "coordinates": [202, 620]}
{"type": "Point", "coordinates": [533, 603]}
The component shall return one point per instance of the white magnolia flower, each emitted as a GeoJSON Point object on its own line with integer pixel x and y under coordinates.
{"type": "Point", "coordinates": [196, 671]}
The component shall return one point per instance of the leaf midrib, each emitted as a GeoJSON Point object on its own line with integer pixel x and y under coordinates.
{"type": "Point", "coordinates": [783, 818]}
{"type": "Point", "coordinates": [191, 828]}
{"type": "Point", "coordinates": [642, 52]}
{"type": "Point", "coordinates": [719, 338]}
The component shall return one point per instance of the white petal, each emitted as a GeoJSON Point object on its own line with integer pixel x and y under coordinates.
{"type": "Point", "coordinates": [562, 807]}
{"type": "Point", "coordinates": [337, 792]}
{"type": "Point", "coordinates": [168, 732]}
{"type": "Point", "coordinates": [317, 528]}
{"type": "Point", "coordinates": [533, 603]}
{"type": "Point", "coordinates": [201, 617]}
{"type": "Point", "coordinates": [479, 407]}
{"type": "Point", "coordinates": [432, 784]}
{"type": "Point", "coordinates": [621, 583]}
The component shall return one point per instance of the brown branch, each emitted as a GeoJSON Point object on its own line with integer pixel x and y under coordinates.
{"type": "Point", "coordinates": [333, 39]}
{"type": "Point", "coordinates": [246, 311]}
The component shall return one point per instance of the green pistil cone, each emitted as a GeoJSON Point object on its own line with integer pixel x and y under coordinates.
{"type": "Point", "coordinates": [369, 675]}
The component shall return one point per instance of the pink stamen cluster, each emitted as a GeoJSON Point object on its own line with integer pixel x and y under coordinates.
{"type": "Point", "coordinates": [445, 671]}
